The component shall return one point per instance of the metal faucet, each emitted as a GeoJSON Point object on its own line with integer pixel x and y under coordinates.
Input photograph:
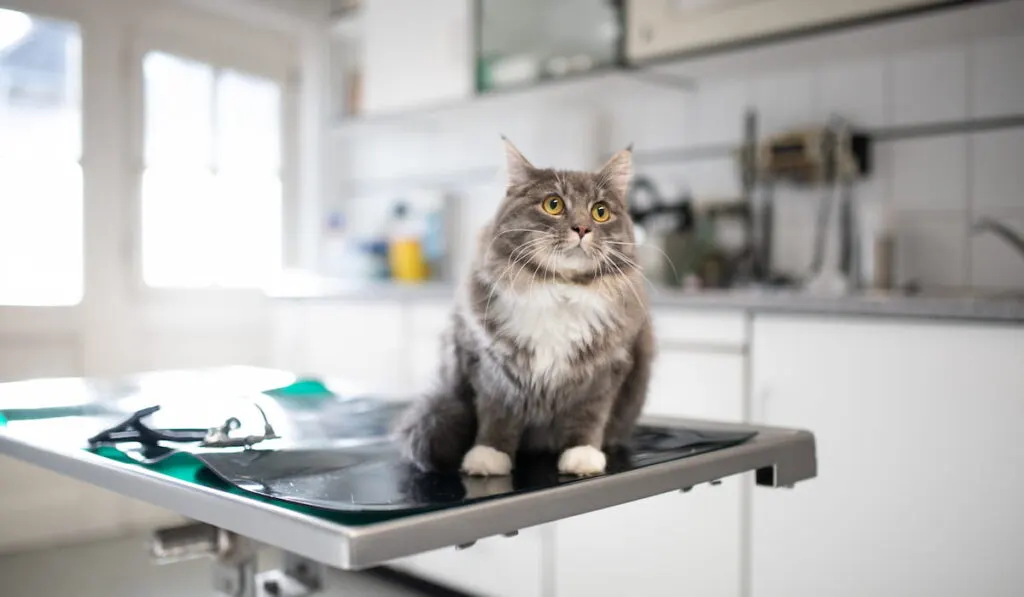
{"type": "Point", "coordinates": [1011, 236]}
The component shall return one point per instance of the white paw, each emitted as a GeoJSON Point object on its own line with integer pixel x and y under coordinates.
{"type": "Point", "coordinates": [582, 460]}
{"type": "Point", "coordinates": [485, 460]}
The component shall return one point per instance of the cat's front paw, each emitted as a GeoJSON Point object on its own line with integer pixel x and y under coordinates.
{"type": "Point", "coordinates": [582, 460]}
{"type": "Point", "coordinates": [485, 460]}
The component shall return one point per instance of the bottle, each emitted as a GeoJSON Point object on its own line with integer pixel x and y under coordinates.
{"type": "Point", "coordinates": [434, 248]}
{"type": "Point", "coordinates": [335, 247]}
{"type": "Point", "coordinates": [405, 247]}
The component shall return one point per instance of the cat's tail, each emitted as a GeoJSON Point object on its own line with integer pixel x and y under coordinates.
{"type": "Point", "coordinates": [436, 431]}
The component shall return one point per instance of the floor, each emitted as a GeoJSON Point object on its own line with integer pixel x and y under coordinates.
{"type": "Point", "coordinates": [121, 568]}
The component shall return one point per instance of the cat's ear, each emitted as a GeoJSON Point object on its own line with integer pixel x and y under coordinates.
{"type": "Point", "coordinates": [518, 168]}
{"type": "Point", "coordinates": [617, 172]}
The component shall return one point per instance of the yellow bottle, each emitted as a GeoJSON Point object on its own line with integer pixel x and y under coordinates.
{"type": "Point", "coordinates": [408, 264]}
{"type": "Point", "coordinates": [406, 257]}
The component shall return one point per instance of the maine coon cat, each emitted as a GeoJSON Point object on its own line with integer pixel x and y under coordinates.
{"type": "Point", "coordinates": [549, 347]}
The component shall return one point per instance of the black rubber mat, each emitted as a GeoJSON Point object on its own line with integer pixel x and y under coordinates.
{"type": "Point", "coordinates": [373, 477]}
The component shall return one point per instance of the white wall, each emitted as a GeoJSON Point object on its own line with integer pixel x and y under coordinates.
{"type": "Point", "coordinates": [944, 67]}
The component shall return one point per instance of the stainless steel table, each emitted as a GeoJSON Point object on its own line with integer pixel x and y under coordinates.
{"type": "Point", "coordinates": [779, 457]}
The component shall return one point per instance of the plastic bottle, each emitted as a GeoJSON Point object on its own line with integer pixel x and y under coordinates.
{"type": "Point", "coordinates": [405, 247]}
{"type": "Point", "coordinates": [335, 247]}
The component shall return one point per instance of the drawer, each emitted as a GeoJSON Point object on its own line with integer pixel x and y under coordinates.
{"type": "Point", "coordinates": [691, 327]}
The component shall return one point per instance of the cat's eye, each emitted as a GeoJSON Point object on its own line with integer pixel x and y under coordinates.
{"type": "Point", "coordinates": [600, 212]}
{"type": "Point", "coordinates": [553, 205]}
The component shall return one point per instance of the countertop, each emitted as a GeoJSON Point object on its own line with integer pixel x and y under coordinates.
{"type": "Point", "coordinates": [994, 307]}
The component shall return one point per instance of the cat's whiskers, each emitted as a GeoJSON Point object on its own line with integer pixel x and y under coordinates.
{"type": "Point", "coordinates": [490, 245]}
{"type": "Point", "coordinates": [635, 267]}
{"type": "Point", "coordinates": [496, 283]}
{"type": "Point", "coordinates": [656, 248]}
{"type": "Point", "coordinates": [513, 260]}
{"type": "Point", "coordinates": [626, 278]}
{"type": "Point", "coordinates": [523, 250]}
{"type": "Point", "coordinates": [532, 254]}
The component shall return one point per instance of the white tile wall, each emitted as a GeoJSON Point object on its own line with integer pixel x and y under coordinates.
{"type": "Point", "coordinates": [713, 179]}
{"type": "Point", "coordinates": [994, 264]}
{"type": "Point", "coordinates": [930, 173]}
{"type": "Point", "coordinates": [857, 91]}
{"type": "Point", "coordinates": [932, 248]}
{"type": "Point", "coordinates": [997, 76]}
{"type": "Point", "coordinates": [929, 85]}
{"type": "Point", "coordinates": [717, 113]}
{"type": "Point", "coordinates": [997, 167]}
{"type": "Point", "coordinates": [942, 69]}
{"type": "Point", "coordinates": [787, 99]}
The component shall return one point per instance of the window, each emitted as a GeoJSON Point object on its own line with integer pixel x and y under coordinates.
{"type": "Point", "coordinates": [211, 189]}
{"type": "Point", "coordinates": [41, 226]}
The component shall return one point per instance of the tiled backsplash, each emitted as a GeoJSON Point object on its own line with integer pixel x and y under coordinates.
{"type": "Point", "coordinates": [933, 187]}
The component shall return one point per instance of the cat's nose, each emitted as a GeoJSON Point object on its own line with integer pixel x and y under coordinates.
{"type": "Point", "coordinates": [581, 230]}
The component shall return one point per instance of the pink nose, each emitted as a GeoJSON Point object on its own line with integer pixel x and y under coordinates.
{"type": "Point", "coordinates": [581, 230]}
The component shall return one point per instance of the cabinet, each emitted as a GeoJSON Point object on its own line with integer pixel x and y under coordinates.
{"type": "Point", "coordinates": [658, 28]}
{"type": "Point", "coordinates": [362, 343]}
{"type": "Point", "coordinates": [674, 543]}
{"type": "Point", "coordinates": [918, 431]}
{"type": "Point", "coordinates": [493, 567]}
{"type": "Point", "coordinates": [416, 53]}
{"type": "Point", "coordinates": [427, 325]}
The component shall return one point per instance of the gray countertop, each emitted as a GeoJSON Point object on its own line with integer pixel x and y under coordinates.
{"type": "Point", "coordinates": [991, 307]}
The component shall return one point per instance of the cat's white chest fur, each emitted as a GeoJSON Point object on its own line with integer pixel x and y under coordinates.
{"type": "Point", "coordinates": [554, 320]}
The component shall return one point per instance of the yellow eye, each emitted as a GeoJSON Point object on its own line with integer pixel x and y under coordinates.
{"type": "Point", "coordinates": [553, 205]}
{"type": "Point", "coordinates": [600, 212]}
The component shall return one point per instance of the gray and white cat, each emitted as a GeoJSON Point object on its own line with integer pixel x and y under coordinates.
{"type": "Point", "coordinates": [550, 345]}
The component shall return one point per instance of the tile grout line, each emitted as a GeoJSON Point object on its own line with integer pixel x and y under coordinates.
{"type": "Point", "coordinates": [969, 173]}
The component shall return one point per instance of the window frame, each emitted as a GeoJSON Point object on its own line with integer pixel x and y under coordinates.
{"type": "Point", "coordinates": [62, 317]}
{"type": "Point", "coordinates": [250, 52]}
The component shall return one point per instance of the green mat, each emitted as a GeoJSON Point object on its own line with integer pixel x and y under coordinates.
{"type": "Point", "coordinates": [185, 467]}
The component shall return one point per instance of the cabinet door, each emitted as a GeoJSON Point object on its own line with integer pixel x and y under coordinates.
{"type": "Point", "coordinates": [41, 508]}
{"type": "Point", "coordinates": [659, 28]}
{"type": "Point", "coordinates": [493, 567]}
{"type": "Point", "coordinates": [289, 332]}
{"type": "Point", "coordinates": [918, 431]}
{"type": "Point", "coordinates": [360, 343]}
{"type": "Point", "coordinates": [675, 543]}
{"type": "Point", "coordinates": [416, 53]}
{"type": "Point", "coordinates": [427, 324]}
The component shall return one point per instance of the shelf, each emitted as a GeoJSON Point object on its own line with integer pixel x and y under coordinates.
{"type": "Point", "coordinates": [570, 91]}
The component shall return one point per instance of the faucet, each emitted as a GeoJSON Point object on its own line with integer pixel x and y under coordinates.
{"type": "Point", "coordinates": [1011, 236]}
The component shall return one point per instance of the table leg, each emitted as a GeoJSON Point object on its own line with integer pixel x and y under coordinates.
{"type": "Point", "coordinates": [236, 560]}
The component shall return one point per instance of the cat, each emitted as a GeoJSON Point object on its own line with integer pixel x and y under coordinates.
{"type": "Point", "coordinates": [549, 347]}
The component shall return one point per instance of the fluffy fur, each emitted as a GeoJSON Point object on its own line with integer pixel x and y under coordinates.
{"type": "Point", "coordinates": [549, 346]}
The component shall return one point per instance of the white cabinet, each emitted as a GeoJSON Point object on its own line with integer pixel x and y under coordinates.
{"type": "Point", "coordinates": [428, 322]}
{"type": "Point", "coordinates": [675, 543]}
{"type": "Point", "coordinates": [40, 508]}
{"type": "Point", "coordinates": [496, 566]}
{"type": "Point", "coordinates": [362, 343]}
{"type": "Point", "coordinates": [416, 53]}
{"type": "Point", "coordinates": [659, 27]}
{"type": "Point", "coordinates": [918, 428]}
{"type": "Point", "coordinates": [493, 567]}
